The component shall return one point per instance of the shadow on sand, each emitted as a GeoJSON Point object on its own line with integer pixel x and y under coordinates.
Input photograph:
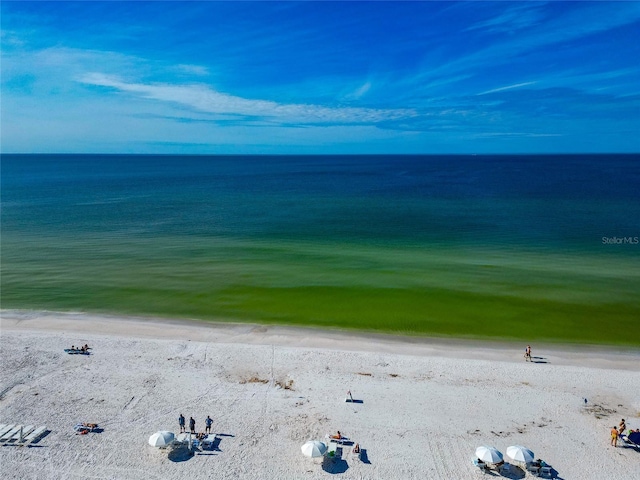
{"type": "Point", "coordinates": [334, 465]}
{"type": "Point", "coordinates": [539, 360]}
{"type": "Point", "coordinates": [180, 453]}
{"type": "Point", "coordinates": [515, 472]}
{"type": "Point", "coordinates": [364, 458]}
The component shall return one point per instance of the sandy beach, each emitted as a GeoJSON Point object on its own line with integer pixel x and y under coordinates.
{"type": "Point", "coordinates": [425, 404]}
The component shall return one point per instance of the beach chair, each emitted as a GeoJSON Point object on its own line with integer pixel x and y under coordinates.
{"type": "Point", "coordinates": [9, 435]}
{"type": "Point", "coordinates": [5, 429]}
{"type": "Point", "coordinates": [482, 467]}
{"type": "Point", "coordinates": [339, 453]}
{"type": "Point", "coordinates": [20, 436]}
{"type": "Point", "coordinates": [181, 439]}
{"type": "Point", "coordinates": [209, 440]}
{"type": "Point", "coordinates": [546, 471]}
{"type": "Point", "coordinates": [505, 469]}
{"type": "Point", "coordinates": [34, 436]}
{"type": "Point", "coordinates": [534, 470]}
{"type": "Point", "coordinates": [334, 452]}
{"type": "Point", "coordinates": [19, 432]}
{"type": "Point", "coordinates": [339, 441]}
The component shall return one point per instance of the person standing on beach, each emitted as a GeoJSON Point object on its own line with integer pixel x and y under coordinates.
{"type": "Point", "coordinates": [192, 425]}
{"type": "Point", "coordinates": [622, 427]}
{"type": "Point", "coordinates": [181, 423]}
{"type": "Point", "coordinates": [527, 354]}
{"type": "Point", "coordinates": [207, 424]}
{"type": "Point", "coordinates": [614, 436]}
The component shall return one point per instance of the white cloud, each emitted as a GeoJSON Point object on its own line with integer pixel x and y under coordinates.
{"type": "Point", "coordinates": [206, 99]}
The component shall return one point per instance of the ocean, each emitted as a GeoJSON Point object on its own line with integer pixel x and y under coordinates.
{"type": "Point", "coordinates": [516, 247]}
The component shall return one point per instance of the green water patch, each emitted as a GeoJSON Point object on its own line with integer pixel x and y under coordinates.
{"type": "Point", "coordinates": [464, 291]}
{"type": "Point", "coordinates": [438, 312]}
{"type": "Point", "coordinates": [397, 311]}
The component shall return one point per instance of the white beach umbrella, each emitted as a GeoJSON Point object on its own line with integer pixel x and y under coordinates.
{"type": "Point", "coordinates": [518, 453]}
{"type": "Point", "coordinates": [314, 448]}
{"type": "Point", "coordinates": [488, 454]}
{"type": "Point", "coordinates": [161, 439]}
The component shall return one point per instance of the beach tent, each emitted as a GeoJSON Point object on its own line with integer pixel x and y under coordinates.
{"type": "Point", "coordinates": [520, 454]}
{"type": "Point", "coordinates": [488, 454]}
{"type": "Point", "coordinates": [314, 448]}
{"type": "Point", "coordinates": [161, 439]}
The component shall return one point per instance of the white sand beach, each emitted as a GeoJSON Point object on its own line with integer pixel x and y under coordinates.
{"type": "Point", "coordinates": [425, 404]}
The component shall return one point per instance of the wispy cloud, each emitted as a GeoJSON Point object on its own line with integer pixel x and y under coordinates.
{"type": "Point", "coordinates": [11, 39]}
{"type": "Point", "coordinates": [590, 18]}
{"type": "Point", "coordinates": [517, 134]}
{"type": "Point", "coordinates": [205, 99]}
{"type": "Point", "coordinates": [513, 18]}
{"type": "Point", "coordinates": [508, 87]}
{"type": "Point", "coordinates": [197, 70]}
{"type": "Point", "coordinates": [359, 92]}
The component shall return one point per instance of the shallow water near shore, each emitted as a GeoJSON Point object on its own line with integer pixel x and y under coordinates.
{"type": "Point", "coordinates": [495, 247]}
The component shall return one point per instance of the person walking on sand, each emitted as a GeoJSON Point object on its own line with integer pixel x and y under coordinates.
{"type": "Point", "coordinates": [192, 425]}
{"type": "Point", "coordinates": [181, 423]}
{"type": "Point", "coordinates": [207, 423]}
{"type": "Point", "coordinates": [527, 354]}
{"type": "Point", "coordinates": [614, 436]}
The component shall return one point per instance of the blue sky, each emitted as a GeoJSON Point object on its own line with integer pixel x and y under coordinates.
{"type": "Point", "coordinates": [320, 77]}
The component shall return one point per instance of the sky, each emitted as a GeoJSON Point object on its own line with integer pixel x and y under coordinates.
{"type": "Point", "coordinates": [320, 77]}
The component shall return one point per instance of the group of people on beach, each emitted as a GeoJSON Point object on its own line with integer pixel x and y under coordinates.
{"type": "Point", "coordinates": [84, 428]}
{"type": "Point", "coordinates": [83, 349]}
{"type": "Point", "coordinates": [341, 438]}
{"type": "Point", "coordinates": [617, 432]}
{"type": "Point", "coordinates": [192, 425]}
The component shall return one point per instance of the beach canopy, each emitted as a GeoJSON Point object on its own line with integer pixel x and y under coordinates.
{"type": "Point", "coordinates": [161, 439]}
{"type": "Point", "coordinates": [314, 448]}
{"type": "Point", "coordinates": [518, 453]}
{"type": "Point", "coordinates": [488, 454]}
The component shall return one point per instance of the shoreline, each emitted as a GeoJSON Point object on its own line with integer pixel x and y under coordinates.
{"type": "Point", "coordinates": [595, 356]}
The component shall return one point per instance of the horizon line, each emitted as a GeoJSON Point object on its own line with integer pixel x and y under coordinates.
{"type": "Point", "coordinates": [540, 154]}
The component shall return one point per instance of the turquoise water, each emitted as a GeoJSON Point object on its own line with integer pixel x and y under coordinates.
{"type": "Point", "coordinates": [411, 244]}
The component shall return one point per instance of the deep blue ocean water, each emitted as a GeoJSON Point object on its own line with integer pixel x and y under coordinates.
{"type": "Point", "coordinates": [540, 202]}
